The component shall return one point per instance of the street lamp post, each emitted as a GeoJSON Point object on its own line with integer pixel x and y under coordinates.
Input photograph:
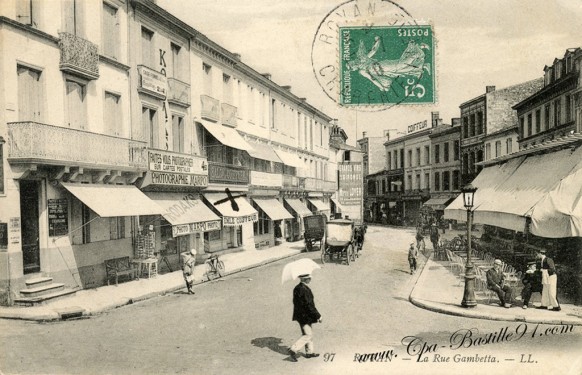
{"type": "Point", "coordinates": [469, 293]}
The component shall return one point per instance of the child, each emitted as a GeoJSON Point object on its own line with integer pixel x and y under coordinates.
{"type": "Point", "coordinates": [412, 254]}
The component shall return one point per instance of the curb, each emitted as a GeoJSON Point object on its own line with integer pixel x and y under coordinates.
{"type": "Point", "coordinates": [54, 315]}
{"type": "Point", "coordinates": [443, 309]}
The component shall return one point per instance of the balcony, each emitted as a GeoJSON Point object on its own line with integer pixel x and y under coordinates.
{"type": "Point", "coordinates": [178, 92]}
{"type": "Point", "coordinates": [313, 184]}
{"type": "Point", "coordinates": [210, 108]}
{"type": "Point", "coordinates": [228, 115]}
{"type": "Point", "coordinates": [264, 179]}
{"type": "Point", "coordinates": [35, 143]}
{"type": "Point", "coordinates": [220, 173]}
{"type": "Point", "coordinates": [79, 57]}
{"type": "Point", "coordinates": [290, 182]}
{"type": "Point", "coordinates": [329, 186]}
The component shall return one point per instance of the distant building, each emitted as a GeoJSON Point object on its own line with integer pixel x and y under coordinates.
{"type": "Point", "coordinates": [373, 153]}
{"type": "Point", "coordinates": [500, 143]}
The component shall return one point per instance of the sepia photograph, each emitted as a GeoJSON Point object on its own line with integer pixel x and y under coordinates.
{"type": "Point", "coordinates": [215, 187]}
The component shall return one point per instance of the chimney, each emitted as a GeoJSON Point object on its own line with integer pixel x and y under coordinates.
{"type": "Point", "coordinates": [267, 76]}
{"type": "Point", "coordinates": [456, 121]}
{"type": "Point", "coordinates": [236, 56]}
{"type": "Point", "coordinates": [434, 119]}
{"type": "Point", "coordinates": [364, 134]}
{"type": "Point", "coordinates": [387, 134]}
{"type": "Point", "coordinates": [489, 89]}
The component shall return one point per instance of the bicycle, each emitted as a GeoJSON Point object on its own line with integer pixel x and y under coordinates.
{"type": "Point", "coordinates": [214, 267]}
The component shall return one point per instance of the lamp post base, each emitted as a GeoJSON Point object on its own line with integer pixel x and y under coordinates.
{"type": "Point", "coordinates": [469, 294]}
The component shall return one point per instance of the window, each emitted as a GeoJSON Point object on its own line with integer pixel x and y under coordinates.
{"type": "Point", "coordinates": [497, 149]}
{"type": "Point", "coordinates": [26, 12]}
{"type": "Point", "coordinates": [437, 181]}
{"type": "Point", "coordinates": [568, 108]}
{"type": "Point", "coordinates": [547, 116]}
{"type": "Point", "coordinates": [418, 181]}
{"type": "Point", "coordinates": [117, 227]}
{"type": "Point", "coordinates": [112, 116]}
{"type": "Point", "coordinates": [456, 180]}
{"type": "Point", "coordinates": [389, 160]}
{"type": "Point", "coordinates": [72, 17]}
{"type": "Point", "coordinates": [76, 104]}
{"type": "Point", "coordinates": [207, 79]}
{"type": "Point", "coordinates": [311, 134]}
{"type": "Point", "coordinates": [251, 103]}
{"type": "Point", "coordinates": [177, 66]}
{"type": "Point", "coordinates": [472, 125]}
{"type": "Point", "coordinates": [347, 156]}
{"type": "Point", "coordinates": [557, 113]}
{"type": "Point", "coordinates": [150, 124]}
{"type": "Point", "coordinates": [465, 127]}
{"type": "Point", "coordinates": [479, 122]}
{"type": "Point", "coordinates": [30, 94]}
{"type": "Point", "coordinates": [538, 121]}
{"type": "Point", "coordinates": [401, 158]}
{"type": "Point", "coordinates": [509, 145]}
{"type": "Point", "coordinates": [110, 32]}
{"type": "Point", "coordinates": [85, 223]}
{"type": "Point", "coordinates": [446, 181]}
{"type": "Point", "coordinates": [226, 89]}
{"type": "Point", "coordinates": [396, 161]}
{"type": "Point", "coordinates": [437, 156]}
{"type": "Point", "coordinates": [426, 155]}
{"type": "Point", "coordinates": [147, 49]}
{"type": "Point", "coordinates": [427, 181]}
{"type": "Point", "coordinates": [178, 133]}
{"type": "Point", "coordinates": [446, 152]}
{"type": "Point", "coordinates": [487, 151]}
{"type": "Point", "coordinates": [418, 156]}
{"type": "Point", "coordinates": [457, 150]}
{"type": "Point", "coordinates": [273, 113]}
{"type": "Point", "coordinates": [410, 158]}
{"type": "Point", "coordinates": [522, 127]}
{"type": "Point", "coordinates": [529, 125]}
{"type": "Point", "coordinates": [409, 182]}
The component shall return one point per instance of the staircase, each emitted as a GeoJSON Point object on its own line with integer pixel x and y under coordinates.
{"type": "Point", "coordinates": [40, 290]}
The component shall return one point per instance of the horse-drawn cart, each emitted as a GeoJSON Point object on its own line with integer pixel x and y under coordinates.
{"type": "Point", "coordinates": [339, 241]}
{"type": "Point", "coordinates": [314, 231]}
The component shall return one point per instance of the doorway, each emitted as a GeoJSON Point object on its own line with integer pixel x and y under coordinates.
{"type": "Point", "coordinates": [29, 215]}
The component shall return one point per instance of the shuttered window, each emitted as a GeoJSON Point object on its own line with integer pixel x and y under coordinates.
{"type": "Point", "coordinates": [150, 122]}
{"type": "Point", "coordinates": [112, 116]}
{"type": "Point", "coordinates": [178, 133]}
{"type": "Point", "coordinates": [110, 32]}
{"type": "Point", "coordinates": [147, 51]}
{"type": "Point", "coordinates": [76, 104]}
{"type": "Point", "coordinates": [30, 94]}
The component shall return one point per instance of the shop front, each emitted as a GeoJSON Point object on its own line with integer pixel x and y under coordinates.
{"type": "Point", "coordinates": [299, 210]}
{"type": "Point", "coordinates": [317, 205]}
{"type": "Point", "coordinates": [272, 225]}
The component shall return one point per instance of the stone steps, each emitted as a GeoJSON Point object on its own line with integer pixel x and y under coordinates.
{"type": "Point", "coordinates": [41, 289]}
{"type": "Point", "coordinates": [39, 300]}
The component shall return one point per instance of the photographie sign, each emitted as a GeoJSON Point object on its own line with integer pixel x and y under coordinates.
{"type": "Point", "coordinates": [184, 229]}
{"type": "Point", "coordinates": [173, 169]}
{"type": "Point", "coordinates": [58, 217]}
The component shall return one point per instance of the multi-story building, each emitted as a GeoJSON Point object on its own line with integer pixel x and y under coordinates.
{"type": "Point", "coordinates": [391, 207]}
{"type": "Point", "coordinates": [95, 110]}
{"type": "Point", "coordinates": [373, 153]}
{"type": "Point", "coordinates": [445, 165]}
{"type": "Point", "coordinates": [486, 114]}
{"type": "Point", "coordinates": [501, 142]}
{"type": "Point", "coordinates": [550, 112]}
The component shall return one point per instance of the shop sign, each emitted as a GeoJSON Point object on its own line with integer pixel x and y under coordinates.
{"type": "Point", "coordinates": [229, 221]}
{"type": "Point", "coordinates": [417, 127]}
{"type": "Point", "coordinates": [204, 226]}
{"type": "Point", "coordinates": [14, 230]}
{"type": "Point", "coordinates": [153, 81]}
{"type": "Point", "coordinates": [219, 173]}
{"type": "Point", "coordinates": [351, 182]}
{"type": "Point", "coordinates": [58, 218]}
{"type": "Point", "coordinates": [166, 168]}
{"type": "Point", "coordinates": [3, 236]}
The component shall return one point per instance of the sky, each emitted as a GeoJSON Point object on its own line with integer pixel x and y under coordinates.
{"type": "Point", "coordinates": [478, 43]}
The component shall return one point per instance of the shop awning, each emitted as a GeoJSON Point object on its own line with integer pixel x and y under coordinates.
{"type": "Point", "coordinates": [227, 136]}
{"type": "Point", "coordinates": [299, 207]}
{"type": "Point", "coordinates": [319, 204]}
{"type": "Point", "coordinates": [186, 213]}
{"type": "Point", "coordinates": [437, 203]}
{"type": "Point", "coordinates": [264, 152]}
{"type": "Point", "coordinates": [230, 216]}
{"type": "Point", "coordinates": [273, 208]}
{"type": "Point", "coordinates": [543, 188]}
{"type": "Point", "coordinates": [337, 204]}
{"type": "Point", "coordinates": [113, 200]}
{"type": "Point", "coordinates": [290, 159]}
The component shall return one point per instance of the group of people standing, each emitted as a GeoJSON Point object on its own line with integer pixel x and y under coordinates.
{"type": "Point", "coordinates": [539, 277]}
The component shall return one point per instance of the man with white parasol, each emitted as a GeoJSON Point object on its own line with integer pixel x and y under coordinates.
{"type": "Point", "coordinates": [304, 310]}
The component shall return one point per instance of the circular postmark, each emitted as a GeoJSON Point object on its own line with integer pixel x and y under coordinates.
{"type": "Point", "coordinates": [372, 55]}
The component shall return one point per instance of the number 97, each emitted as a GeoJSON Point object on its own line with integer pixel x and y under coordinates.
{"type": "Point", "coordinates": [328, 357]}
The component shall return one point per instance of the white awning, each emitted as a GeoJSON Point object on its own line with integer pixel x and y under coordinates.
{"type": "Point", "coordinates": [290, 159]}
{"type": "Point", "coordinates": [319, 204]}
{"type": "Point", "coordinates": [337, 204]}
{"type": "Point", "coordinates": [437, 203]}
{"type": "Point", "coordinates": [264, 152]}
{"type": "Point", "coordinates": [235, 211]}
{"type": "Point", "coordinates": [299, 207]}
{"type": "Point", "coordinates": [227, 136]}
{"type": "Point", "coordinates": [273, 208]}
{"type": "Point", "coordinates": [113, 200]}
{"type": "Point", "coordinates": [186, 213]}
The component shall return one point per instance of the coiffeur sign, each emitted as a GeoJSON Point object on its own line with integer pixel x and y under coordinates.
{"type": "Point", "coordinates": [173, 169]}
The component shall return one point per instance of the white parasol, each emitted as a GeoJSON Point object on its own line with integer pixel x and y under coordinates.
{"type": "Point", "coordinates": [292, 270]}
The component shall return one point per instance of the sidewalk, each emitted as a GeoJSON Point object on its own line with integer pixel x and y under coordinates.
{"type": "Point", "coordinates": [440, 290]}
{"type": "Point", "coordinates": [94, 301]}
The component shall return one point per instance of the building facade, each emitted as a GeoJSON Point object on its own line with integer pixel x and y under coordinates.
{"type": "Point", "coordinates": [555, 110]}
{"type": "Point", "coordinates": [133, 137]}
{"type": "Point", "coordinates": [500, 143]}
{"type": "Point", "coordinates": [390, 209]}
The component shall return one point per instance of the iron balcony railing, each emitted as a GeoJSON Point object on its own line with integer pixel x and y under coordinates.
{"type": "Point", "coordinates": [41, 143]}
{"type": "Point", "coordinates": [79, 56]}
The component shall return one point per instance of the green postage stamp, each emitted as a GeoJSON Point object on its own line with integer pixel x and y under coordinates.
{"type": "Point", "coordinates": [386, 65]}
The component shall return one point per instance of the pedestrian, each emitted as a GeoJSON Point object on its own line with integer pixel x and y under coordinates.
{"type": "Point", "coordinates": [412, 255]}
{"type": "Point", "coordinates": [496, 283]}
{"type": "Point", "coordinates": [532, 283]}
{"type": "Point", "coordinates": [549, 282]}
{"type": "Point", "coordinates": [305, 313]}
{"type": "Point", "coordinates": [420, 239]}
{"type": "Point", "coordinates": [189, 259]}
{"type": "Point", "coordinates": [434, 238]}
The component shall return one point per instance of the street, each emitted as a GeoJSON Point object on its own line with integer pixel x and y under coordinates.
{"type": "Point", "coordinates": [242, 325]}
